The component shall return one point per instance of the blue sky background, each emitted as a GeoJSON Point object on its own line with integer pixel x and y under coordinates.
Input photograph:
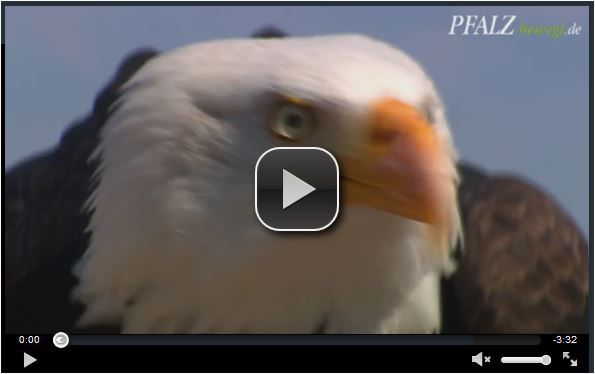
{"type": "Point", "coordinates": [515, 103]}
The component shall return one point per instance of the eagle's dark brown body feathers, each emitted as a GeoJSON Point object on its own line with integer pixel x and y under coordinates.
{"type": "Point", "coordinates": [524, 267]}
{"type": "Point", "coordinates": [45, 225]}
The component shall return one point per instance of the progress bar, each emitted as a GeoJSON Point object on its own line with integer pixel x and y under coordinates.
{"type": "Point", "coordinates": [226, 339]}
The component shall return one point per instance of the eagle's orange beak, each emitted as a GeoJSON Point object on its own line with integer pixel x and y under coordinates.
{"type": "Point", "coordinates": [405, 168]}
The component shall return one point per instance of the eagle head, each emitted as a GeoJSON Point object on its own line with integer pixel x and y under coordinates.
{"type": "Point", "coordinates": [176, 245]}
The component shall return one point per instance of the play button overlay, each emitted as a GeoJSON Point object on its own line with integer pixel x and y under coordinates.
{"type": "Point", "coordinates": [296, 189]}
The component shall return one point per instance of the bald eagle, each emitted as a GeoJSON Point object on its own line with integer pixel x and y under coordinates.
{"type": "Point", "coordinates": [141, 219]}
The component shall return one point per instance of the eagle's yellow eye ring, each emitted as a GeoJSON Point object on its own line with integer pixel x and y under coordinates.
{"type": "Point", "coordinates": [292, 121]}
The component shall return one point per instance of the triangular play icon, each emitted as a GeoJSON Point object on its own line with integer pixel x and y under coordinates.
{"type": "Point", "coordinates": [294, 189]}
{"type": "Point", "coordinates": [28, 359]}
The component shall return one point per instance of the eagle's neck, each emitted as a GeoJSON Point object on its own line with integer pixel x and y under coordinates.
{"type": "Point", "coordinates": [225, 273]}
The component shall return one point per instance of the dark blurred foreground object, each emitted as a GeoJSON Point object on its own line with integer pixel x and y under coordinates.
{"type": "Point", "coordinates": [269, 32]}
{"type": "Point", "coordinates": [524, 268]}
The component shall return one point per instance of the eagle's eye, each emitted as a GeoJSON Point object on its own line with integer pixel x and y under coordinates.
{"type": "Point", "coordinates": [292, 121]}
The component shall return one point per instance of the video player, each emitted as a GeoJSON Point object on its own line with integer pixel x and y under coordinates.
{"type": "Point", "coordinates": [356, 187]}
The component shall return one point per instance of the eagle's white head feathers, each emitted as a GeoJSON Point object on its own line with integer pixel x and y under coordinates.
{"type": "Point", "coordinates": [176, 245]}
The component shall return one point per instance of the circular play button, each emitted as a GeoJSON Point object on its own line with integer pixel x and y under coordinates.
{"type": "Point", "coordinates": [296, 189]}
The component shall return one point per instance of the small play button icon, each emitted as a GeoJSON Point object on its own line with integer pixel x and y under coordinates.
{"type": "Point", "coordinates": [28, 359]}
{"type": "Point", "coordinates": [296, 189]}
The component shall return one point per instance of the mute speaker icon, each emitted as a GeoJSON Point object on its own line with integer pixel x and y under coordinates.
{"type": "Point", "coordinates": [478, 359]}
